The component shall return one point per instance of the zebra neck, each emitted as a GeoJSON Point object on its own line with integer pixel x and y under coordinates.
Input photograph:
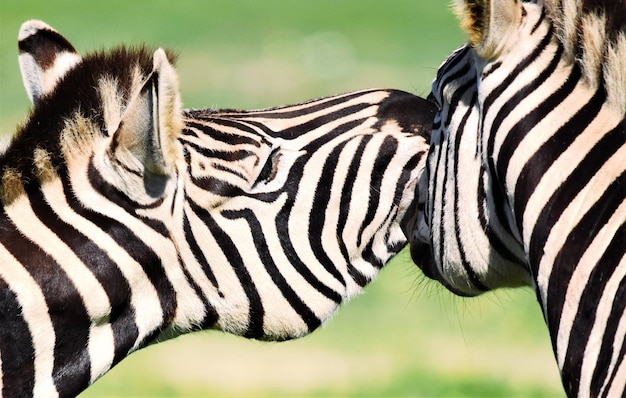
{"type": "Point", "coordinates": [576, 217]}
{"type": "Point", "coordinates": [78, 255]}
{"type": "Point", "coordinates": [533, 143]}
{"type": "Point", "coordinates": [560, 159]}
{"type": "Point", "coordinates": [255, 277]}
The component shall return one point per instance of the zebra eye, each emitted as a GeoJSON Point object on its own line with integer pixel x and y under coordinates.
{"type": "Point", "coordinates": [270, 168]}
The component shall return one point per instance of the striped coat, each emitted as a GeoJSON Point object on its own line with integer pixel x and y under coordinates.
{"type": "Point", "coordinates": [526, 174]}
{"type": "Point", "coordinates": [127, 220]}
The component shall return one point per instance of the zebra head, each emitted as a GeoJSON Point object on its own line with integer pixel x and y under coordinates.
{"type": "Point", "coordinates": [474, 216]}
{"type": "Point", "coordinates": [149, 221]}
{"type": "Point", "coordinates": [465, 236]}
{"type": "Point", "coordinates": [129, 95]}
{"type": "Point", "coordinates": [526, 174]}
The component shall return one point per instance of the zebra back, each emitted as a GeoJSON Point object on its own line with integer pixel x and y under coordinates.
{"type": "Point", "coordinates": [525, 176]}
{"type": "Point", "coordinates": [127, 220]}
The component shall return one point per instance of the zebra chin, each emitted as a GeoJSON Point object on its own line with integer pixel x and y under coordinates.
{"type": "Point", "coordinates": [422, 256]}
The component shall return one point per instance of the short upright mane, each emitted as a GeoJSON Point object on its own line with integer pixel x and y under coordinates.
{"type": "Point", "coordinates": [593, 33]}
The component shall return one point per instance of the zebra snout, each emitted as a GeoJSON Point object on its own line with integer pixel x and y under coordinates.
{"type": "Point", "coordinates": [422, 257]}
{"type": "Point", "coordinates": [417, 234]}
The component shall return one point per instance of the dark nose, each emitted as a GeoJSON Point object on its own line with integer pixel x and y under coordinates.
{"type": "Point", "coordinates": [421, 255]}
{"type": "Point", "coordinates": [421, 252]}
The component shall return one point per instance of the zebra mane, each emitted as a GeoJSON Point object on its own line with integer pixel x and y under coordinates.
{"type": "Point", "coordinates": [593, 34]}
{"type": "Point", "coordinates": [86, 102]}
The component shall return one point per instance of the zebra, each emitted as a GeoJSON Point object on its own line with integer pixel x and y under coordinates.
{"type": "Point", "coordinates": [127, 220]}
{"type": "Point", "coordinates": [525, 180]}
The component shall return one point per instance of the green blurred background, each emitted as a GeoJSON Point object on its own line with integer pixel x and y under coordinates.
{"type": "Point", "coordinates": [406, 336]}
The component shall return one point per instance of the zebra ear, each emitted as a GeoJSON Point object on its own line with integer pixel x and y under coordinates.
{"type": "Point", "coordinates": [44, 56]}
{"type": "Point", "coordinates": [487, 23]}
{"type": "Point", "coordinates": [145, 140]}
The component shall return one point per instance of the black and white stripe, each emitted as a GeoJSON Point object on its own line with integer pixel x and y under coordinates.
{"type": "Point", "coordinates": [126, 220]}
{"type": "Point", "coordinates": [526, 174]}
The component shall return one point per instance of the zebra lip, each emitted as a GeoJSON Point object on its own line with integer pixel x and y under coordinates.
{"type": "Point", "coordinates": [421, 255]}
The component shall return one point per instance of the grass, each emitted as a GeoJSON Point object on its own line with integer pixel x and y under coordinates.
{"type": "Point", "coordinates": [249, 54]}
{"type": "Point", "coordinates": [405, 336]}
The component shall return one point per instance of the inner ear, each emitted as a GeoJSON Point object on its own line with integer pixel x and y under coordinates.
{"type": "Point", "coordinates": [136, 144]}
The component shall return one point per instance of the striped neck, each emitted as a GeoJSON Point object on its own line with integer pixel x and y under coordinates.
{"type": "Point", "coordinates": [542, 146]}
{"type": "Point", "coordinates": [560, 161]}
{"type": "Point", "coordinates": [527, 174]}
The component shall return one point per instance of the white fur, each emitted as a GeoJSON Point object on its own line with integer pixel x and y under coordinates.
{"type": "Point", "coordinates": [35, 312]}
{"type": "Point", "coordinates": [101, 350]}
{"type": "Point", "coordinates": [93, 295]}
{"type": "Point", "coordinates": [577, 209]}
{"type": "Point", "coordinates": [40, 82]}
{"type": "Point", "coordinates": [594, 33]}
{"type": "Point", "coordinates": [31, 27]}
{"type": "Point", "coordinates": [567, 23]}
{"type": "Point", "coordinates": [615, 73]}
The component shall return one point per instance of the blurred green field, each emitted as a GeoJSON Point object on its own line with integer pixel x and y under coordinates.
{"type": "Point", "coordinates": [406, 336]}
